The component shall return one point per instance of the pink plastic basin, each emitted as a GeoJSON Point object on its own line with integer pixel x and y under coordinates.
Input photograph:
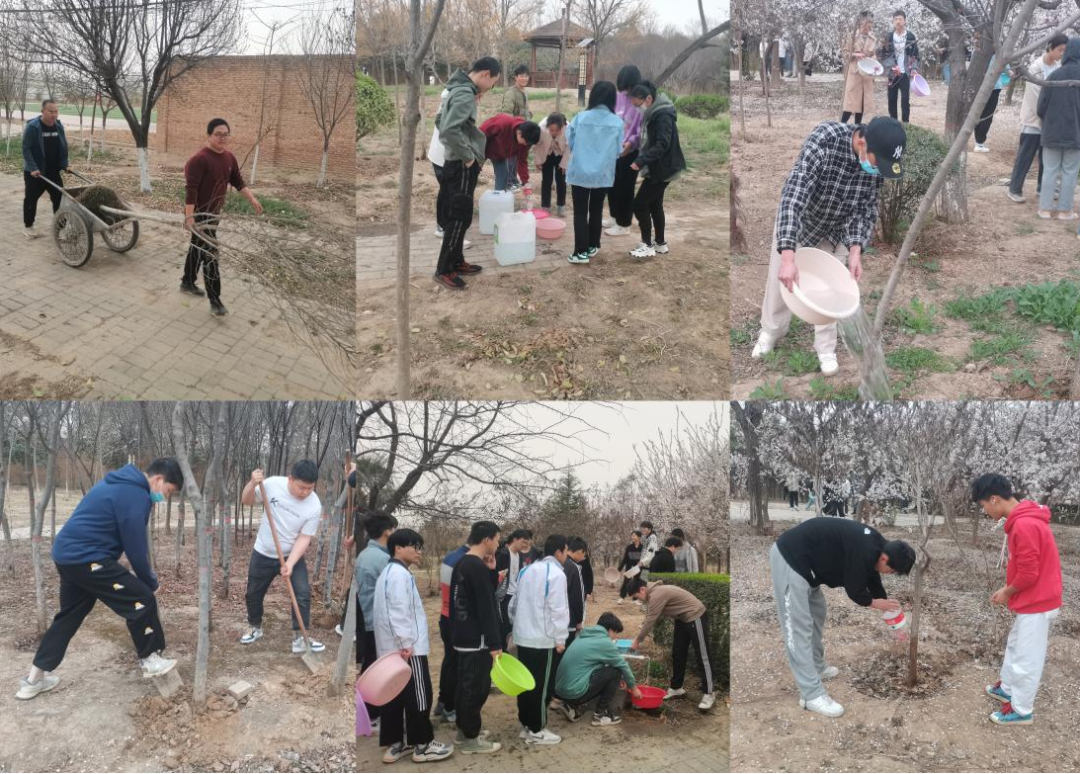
{"type": "Point", "coordinates": [384, 679]}
{"type": "Point", "coordinates": [550, 228]}
{"type": "Point", "coordinates": [538, 213]}
{"type": "Point", "coordinates": [919, 86]}
{"type": "Point", "coordinates": [651, 698]}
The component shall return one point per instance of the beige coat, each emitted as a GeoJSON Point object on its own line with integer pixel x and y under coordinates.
{"type": "Point", "coordinates": [859, 88]}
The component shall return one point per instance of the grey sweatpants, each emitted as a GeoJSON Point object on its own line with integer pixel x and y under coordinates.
{"type": "Point", "coordinates": [801, 610]}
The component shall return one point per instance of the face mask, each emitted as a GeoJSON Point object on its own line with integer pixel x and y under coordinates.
{"type": "Point", "coordinates": [869, 168]}
{"type": "Point", "coordinates": [157, 497]}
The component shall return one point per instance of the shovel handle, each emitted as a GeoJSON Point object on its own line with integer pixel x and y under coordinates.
{"type": "Point", "coordinates": [281, 558]}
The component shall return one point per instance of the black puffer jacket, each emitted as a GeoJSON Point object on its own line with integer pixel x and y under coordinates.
{"type": "Point", "coordinates": [661, 151]}
{"type": "Point", "coordinates": [1059, 106]}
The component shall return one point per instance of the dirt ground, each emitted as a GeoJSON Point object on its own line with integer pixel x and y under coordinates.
{"type": "Point", "coordinates": [950, 359]}
{"type": "Point", "coordinates": [698, 741]}
{"type": "Point", "coordinates": [105, 717]}
{"type": "Point", "coordinates": [943, 724]}
{"type": "Point", "coordinates": [618, 328]}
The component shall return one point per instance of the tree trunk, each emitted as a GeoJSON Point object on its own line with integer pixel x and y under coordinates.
{"type": "Point", "coordinates": [348, 629]}
{"type": "Point", "coordinates": [144, 169]}
{"type": "Point", "coordinates": [58, 410]}
{"type": "Point", "coordinates": [921, 566]}
{"type": "Point", "coordinates": [179, 553]}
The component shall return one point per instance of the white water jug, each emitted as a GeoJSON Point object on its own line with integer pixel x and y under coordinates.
{"type": "Point", "coordinates": [515, 238]}
{"type": "Point", "coordinates": [492, 205]}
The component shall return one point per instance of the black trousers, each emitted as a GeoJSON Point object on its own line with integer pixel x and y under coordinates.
{"type": "Point", "coordinates": [532, 705]}
{"type": "Point", "coordinates": [982, 128]}
{"type": "Point", "coordinates": [847, 114]}
{"type": "Point", "coordinates": [588, 217]}
{"type": "Point", "coordinates": [81, 585]}
{"type": "Point", "coordinates": [406, 717]}
{"type": "Point", "coordinates": [359, 641]}
{"type": "Point", "coordinates": [262, 570]}
{"type": "Point", "coordinates": [556, 659]}
{"type": "Point", "coordinates": [624, 589]}
{"type": "Point", "coordinates": [900, 87]}
{"type": "Point", "coordinates": [202, 254]}
{"type": "Point", "coordinates": [34, 188]}
{"type": "Point", "coordinates": [1030, 147]}
{"type": "Point", "coordinates": [448, 672]}
{"type": "Point", "coordinates": [473, 688]}
{"type": "Point", "coordinates": [505, 625]}
{"type": "Point", "coordinates": [649, 210]}
{"type": "Point", "coordinates": [440, 201]}
{"type": "Point", "coordinates": [621, 193]}
{"type": "Point", "coordinates": [603, 686]}
{"type": "Point", "coordinates": [368, 657]}
{"type": "Point", "coordinates": [792, 498]}
{"type": "Point", "coordinates": [695, 633]}
{"type": "Point", "coordinates": [550, 173]}
{"type": "Point", "coordinates": [456, 189]}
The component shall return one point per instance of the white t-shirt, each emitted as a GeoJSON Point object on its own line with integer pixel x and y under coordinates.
{"type": "Point", "coordinates": [436, 152]}
{"type": "Point", "coordinates": [515, 570]}
{"type": "Point", "coordinates": [900, 44]}
{"type": "Point", "coordinates": [292, 517]}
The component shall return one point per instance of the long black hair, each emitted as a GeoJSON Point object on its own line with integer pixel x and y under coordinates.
{"type": "Point", "coordinates": [603, 93]}
{"type": "Point", "coordinates": [629, 77]}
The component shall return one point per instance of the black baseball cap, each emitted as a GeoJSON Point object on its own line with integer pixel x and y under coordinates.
{"type": "Point", "coordinates": [886, 139]}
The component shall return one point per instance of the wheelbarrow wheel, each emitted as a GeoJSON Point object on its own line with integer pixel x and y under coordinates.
{"type": "Point", "coordinates": [73, 238]}
{"type": "Point", "coordinates": [123, 237]}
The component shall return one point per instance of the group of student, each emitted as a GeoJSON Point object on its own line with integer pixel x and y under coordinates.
{"type": "Point", "coordinates": [629, 129]}
{"type": "Point", "coordinates": [645, 553]}
{"type": "Point", "coordinates": [496, 597]}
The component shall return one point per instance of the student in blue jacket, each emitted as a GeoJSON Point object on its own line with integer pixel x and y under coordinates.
{"type": "Point", "coordinates": [111, 520]}
{"type": "Point", "coordinates": [595, 138]}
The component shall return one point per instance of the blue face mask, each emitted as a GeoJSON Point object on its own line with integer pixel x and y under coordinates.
{"type": "Point", "coordinates": [869, 168]}
{"type": "Point", "coordinates": [157, 497]}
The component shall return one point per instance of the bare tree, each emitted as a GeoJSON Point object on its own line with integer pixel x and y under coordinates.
{"type": "Point", "coordinates": [51, 415]}
{"type": "Point", "coordinates": [749, 416]}
{"type": "Point", "coordinates": [264, 127]}
{"type": "Point", "coordinates": [606, 17]}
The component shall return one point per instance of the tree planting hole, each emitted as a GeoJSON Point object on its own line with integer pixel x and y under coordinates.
{"type": "Point", "coordinates": [884, 675]}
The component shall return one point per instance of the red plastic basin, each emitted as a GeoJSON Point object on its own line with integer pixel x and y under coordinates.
{"type": "Point", "coordinates": [651, 698]}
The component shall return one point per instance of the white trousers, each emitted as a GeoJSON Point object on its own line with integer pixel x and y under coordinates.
{"type": "Point", "coordinates": [1025, 655]}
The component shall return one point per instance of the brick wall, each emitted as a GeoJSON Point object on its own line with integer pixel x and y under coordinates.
{"type": "Point", "coordinates": [231, 87]}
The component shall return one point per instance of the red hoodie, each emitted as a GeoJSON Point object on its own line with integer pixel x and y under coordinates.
{"type": "Point", "coordinates": [501, 131]}
{"type": "Point", "coordinates": [1034, 567]}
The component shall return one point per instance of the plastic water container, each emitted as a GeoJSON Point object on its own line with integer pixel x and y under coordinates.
{"type": "Point", "coordinates": [492, 205]}
{"type": "Point", "coordinates": [515, 238]}
{"type": "Point", "coordinates": [897, 623]}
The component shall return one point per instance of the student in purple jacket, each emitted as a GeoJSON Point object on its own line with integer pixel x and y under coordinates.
{"type": "Point", "coordinates": [621, 193]}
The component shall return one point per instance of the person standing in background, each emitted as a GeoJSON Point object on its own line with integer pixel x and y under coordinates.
{"type": "Point", "coordinates": [900, 58]}
{"type": "Point", "coordinates": [859, 87]}
{"type": "Point", "coordinates": [1030, 124]}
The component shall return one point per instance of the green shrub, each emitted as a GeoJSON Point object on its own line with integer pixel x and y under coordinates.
{"type": "Point", "coordinates": [702, 105]}
{"type": "Point", "coordinates": [899, 200]}
{"type": "Point", "coordinates": [373, 106]}
{"type": "Point", "coordinates": [714, 591]}
{"type": "Point", "coordinates": [670, 94]}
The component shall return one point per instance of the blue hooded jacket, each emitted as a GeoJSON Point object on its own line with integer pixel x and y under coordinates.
{"type": "Point", "coordinates": [33, 146]}
{"type": "Point", "coordinates": [111, 520]}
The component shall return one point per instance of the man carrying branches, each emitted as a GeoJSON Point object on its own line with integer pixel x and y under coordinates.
{"type": "Point", "coordinates": [296, 511]}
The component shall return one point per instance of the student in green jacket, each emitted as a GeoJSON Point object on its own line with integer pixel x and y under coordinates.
{"type": "Point", "coordinates": [593, 668]}
{"type": "Point", "coordinates": [516, 102]}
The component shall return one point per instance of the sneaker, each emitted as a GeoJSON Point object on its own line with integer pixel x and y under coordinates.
{"type": "Point", "coordinates": [981, 148]}
{"type": "Point", "coordinates": [448, 717]}
{"type": "Point", "coordinates": [250, 637]}
{"type": "Point", "coordinates": [28, 690]}
{"type": "Point", "coordinates": [439, 232]}
{"type": "Point", "coordinates": [707, 701]}
{"type": "Point", "coordinates": [1046, 214]}
{"type": "Point", "coordinates": [465, 244]}
{"type": "Point", "coordinates": [560, 210]}
{"type": "Point", "coordinates": [643, 251]}
{"type": "Point", "coordinates": [823, 705]}
{"type": "Point", "coordinates": [432, 751]}
{"type": "Point", "coordinates": [375, 726]}
{"type": "Point", "coordinates": [620, 601]}
{"type": "Point", "coordinates": [608, 222]}
{"type": "Point", "coordinates": [478, 746]}
{"type": "Point", "coordinates": [191, 288]}
{"type": "Point", "coordinates": [514, 186]}
{"type": "Point", "coordinates": [1019, 199]}
{"type": "Point", "coordinates": [617, 231]}
{"type": "Point", "coordinates": [1067, 216]}
{"type": "Point", "coordinates": [523, 733]}
{"type": "Point", "coordinates": [674, 693]}
{"type": "Point", "coordinates": [579, 258]}
{"type": "Point", "coordinates": [484, 734]}
{"type": "Point", "coordinates": [995, 692]}
{"type": "Point", "coordinates": [298, 645]}
{"type": "Point", "coordinates": [339, 631]}
{"type": "Point", "coordinates": [396, 752]}
{"type": "Point", "coordinates": [661, 248]}
{"type": "Point", "coordinates": [156, 665]}
{"type": "Point", "coordinates": [468, 268]}
{"type": "Point", "coordinates": [829, 366]}
{"type": "Point", "coordinates": [218, 309]}
{"type": "Point", "coordinates": [570, 713]}
{"type": "Point", "coordinates": [31, 233]}
{"type": "Point", "coordinates": [1007, 716]}
{"type": "Point", "coordinates": [764, 346]}
{"type": "Point", "coordinates": [594, 251]}
{"type": "Point", "coordinates": [544, 737]}
{"type": "Point", "coordinates": [451, 280]}
{"type": "Point", "coordinates": [828, 673]}
{"type": "Point", "coordinates": [606, 719]}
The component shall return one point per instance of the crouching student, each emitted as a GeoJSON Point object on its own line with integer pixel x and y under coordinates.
{"type": "Point", "coordinates": [1032, 590]}
{"type": "Point", "coordinates": [508, 142]}
{"type": "Point", "coordinates": [593, 668]}
{"type": "Point", "coordinates": [401, 625]}
{"type": "Point", "coordinates": [552, 157]}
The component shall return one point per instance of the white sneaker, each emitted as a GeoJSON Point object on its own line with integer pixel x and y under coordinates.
{"type": "Point", "coordinates": [823, 705]}
{"type": "Point", "coordinates": [524, 733]}
{"type": "Point", "coordinates": [298, 645]}
{"type": "Point", "coordinates": [829, 366]}
{"type": "Point", "coordinates": [28, 690]}
{"type": "Point", "coordinates": [764, 346]}
{"type": "Point", "coordinates": [608, 222]}
{"type": "Point", "coordinates": [707, 701]}
{"type": "Point", "coordinates": [439, 232]}
{"type": "Point", "coordinates": [643, 251]}
{"type": "Point", "coordinates": [31, 233]}
{"type": "Point", "coordinates": [250, 637]}
{"type": "Point", "coordinates": [156, 665]}
{"type": "Point", "coordinates": [1019, 199]}
{"type": "Point", "coordinates": [674, 693]}
{"type": "Point", "coordinates": [338, 631]}
{"type": "Point", "coordinates": [544, 737]}
{"type": "Point", "coordinates": [466, 245]}
{"type": "Point", "coordinates": [980, 148]}
{"type": "Point", "coordinates": [829, 672]}
{"type": "Point", "coordinates": [661, 248]}
{"type": "Point", "coordinates": [617, 231]}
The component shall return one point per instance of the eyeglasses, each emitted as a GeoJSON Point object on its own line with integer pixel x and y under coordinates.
{"type": "Point", "coordinates": [221, 136]}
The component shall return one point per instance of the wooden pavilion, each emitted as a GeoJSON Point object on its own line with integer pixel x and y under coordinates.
{"type": "Point", "coordinates": [579, 56]}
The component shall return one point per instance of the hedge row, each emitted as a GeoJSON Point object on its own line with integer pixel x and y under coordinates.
{"type": "Point", "coordinates": [714, 591]}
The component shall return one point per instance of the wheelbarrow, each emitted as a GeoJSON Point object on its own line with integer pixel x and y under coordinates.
{"type": "Point", "coordinates": [74, 226]}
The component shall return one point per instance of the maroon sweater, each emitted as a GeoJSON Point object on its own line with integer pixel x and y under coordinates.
{"type": "Point", "coordinates": [501, 132]}
{"type": "Point", "coordinates": [208, 175]}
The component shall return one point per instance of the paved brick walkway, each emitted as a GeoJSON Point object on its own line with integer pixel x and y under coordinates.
{"type": "Point", "coordinates": [119, 327]}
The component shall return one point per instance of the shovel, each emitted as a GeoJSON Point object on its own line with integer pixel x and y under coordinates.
{"type": "Point", "coordinates": [310, 659]}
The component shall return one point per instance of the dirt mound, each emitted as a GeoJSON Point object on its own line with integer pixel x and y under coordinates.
{"type": "Point", "coordinates": [884, 675]}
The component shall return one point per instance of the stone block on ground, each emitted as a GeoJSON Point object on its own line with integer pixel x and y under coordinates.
{"type": "Point", "coordinates": [241, 690]}
{"type": "Point", "coordinates": [168, 683]}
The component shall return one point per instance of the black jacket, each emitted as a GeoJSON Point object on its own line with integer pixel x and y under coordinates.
{"type": "Point", "coordinates": [911, 54]}
{"type": "Point", "coordinates": [662, 153]}
{"type": "Point", "coordinates": [575, 592]}
{"type": "Point", "coordinates": [664, 561]}
{"type": "Point", "coordinates": [1059, 106]}
{"type": "Point", "coordinates": [587, 575]}
{"type": "Point", "coordinates": [474, 619]}
{"type": "Point", "coordinates": [836, 552]}
{"type": "Point", "coordinates": [631, 556]}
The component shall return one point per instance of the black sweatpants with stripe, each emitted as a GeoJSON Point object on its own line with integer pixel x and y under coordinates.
{"type": "Point", "coordinates": [456, 188]}
{"type": "Point", "coordinates": [81, 586]}
{"type": "Point", "coordinates": [532, 705]}
{"type": "Point", "coordinates": [684, 635]}
{"type": "Point", "coordinates": [407, 717]}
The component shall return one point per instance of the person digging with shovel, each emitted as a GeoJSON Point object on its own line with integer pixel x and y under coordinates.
{"type": "Point", "coordinates": [1032, 590]}
{"type": "Point", "coordinates": [834, 553]}
{"type": "Point", "coordinates": [830, 201]}
{"type": "Point", "coordinates": [109, 521]}
{"type": "Point", "coordinates": [296, 511]}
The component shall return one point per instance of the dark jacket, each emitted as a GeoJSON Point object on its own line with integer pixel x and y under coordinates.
{"type": "Point", "coordinates": [575, 592]}
{"type": "Point", "coordinates": [661, 155]}
{"type": "Point", "coordinates": [111, 520]}
{"type": "Point", "coordinates": [1059, 106]}
{"type": "Point", "coordinates": [911, 54]}
{"type": "Point", "coordinates": [630, 558]}
{"type": "Point", "coordinates": [587, 575]}
{"type": "Point", "coordinates": [834, 553]}
{"type": "Point", "coordinates": [33, 146]}
{"type": "Point", "coordinates": [502, 565]}
{"type": "Point", "coordinates": [664, 561]}
{"type": "Point", "coordinates": [474, 618]}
